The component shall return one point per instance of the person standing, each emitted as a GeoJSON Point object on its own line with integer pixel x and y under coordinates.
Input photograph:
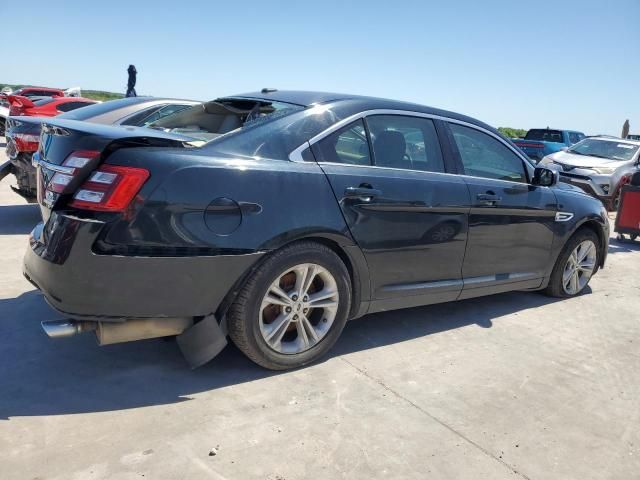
{"type": "Point", "coordinates": [131, 83]}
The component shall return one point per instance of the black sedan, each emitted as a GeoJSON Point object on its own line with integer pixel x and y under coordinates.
{"type": "Point", "coordinates": [307, 210]}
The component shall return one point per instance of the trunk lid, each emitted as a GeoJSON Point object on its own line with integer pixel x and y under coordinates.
{"type": "Point", "coordinates": [59, 139]}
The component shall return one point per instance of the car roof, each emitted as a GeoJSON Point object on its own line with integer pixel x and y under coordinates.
{"type": "Point", "coordinates": [308, 98]}
{"type": "Point", "coordinates": [608, 138]}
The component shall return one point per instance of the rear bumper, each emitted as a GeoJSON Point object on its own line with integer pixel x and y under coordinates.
{"type": "Point", "coordinates": [84, 285]}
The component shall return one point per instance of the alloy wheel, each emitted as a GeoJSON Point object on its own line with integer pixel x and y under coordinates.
{"type": "Point", "coordinates": [298, 309]}
{"type": "Point", "coordinates": [579, 267]}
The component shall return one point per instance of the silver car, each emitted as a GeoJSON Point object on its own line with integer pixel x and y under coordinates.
{"type": "Point", "coordinates": [598, 165]}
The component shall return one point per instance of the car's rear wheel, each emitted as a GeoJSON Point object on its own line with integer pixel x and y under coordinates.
{"type": "Point", "coordinates": [293, 308]}
{"type": "Point", "coordinates": [575, 265]}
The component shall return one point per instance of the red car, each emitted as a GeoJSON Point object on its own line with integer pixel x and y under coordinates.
{"type": "Point", "coordinates": [47, 107]}
{"type": "Point", "coordinates": [20, 146]}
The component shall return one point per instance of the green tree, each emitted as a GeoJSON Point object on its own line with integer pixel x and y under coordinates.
{"type": "Point", "coordinates": [512, 132]}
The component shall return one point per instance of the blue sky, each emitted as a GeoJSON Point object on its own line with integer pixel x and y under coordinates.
{"type": "Point", "coordinates": [568, 64]}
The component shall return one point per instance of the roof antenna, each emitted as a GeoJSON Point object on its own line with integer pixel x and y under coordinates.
{"type": "Point", "coordinates": [268, 90]}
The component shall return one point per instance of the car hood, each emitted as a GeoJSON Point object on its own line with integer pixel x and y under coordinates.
{"type": "Point", "coordinates": [585, 161]}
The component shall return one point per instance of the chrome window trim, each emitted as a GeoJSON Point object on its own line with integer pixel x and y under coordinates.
{"type": "Point", "coordinates": [35, 161]}
{"type": "Point", "coordinates": [392, 169]}
{"type": "Point", "coordinates": [296, 155]}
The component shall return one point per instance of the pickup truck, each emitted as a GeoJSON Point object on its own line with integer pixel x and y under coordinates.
{"type": "Point", "coordinates": [540, 142]}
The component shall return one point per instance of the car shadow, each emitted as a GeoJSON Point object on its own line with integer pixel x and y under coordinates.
{"type": "Point", "coordinates": [18, 219]}
{"type": "Point", "coordinates": [41, 376]}
{"type": "Point", "coordinates": [626, 246]}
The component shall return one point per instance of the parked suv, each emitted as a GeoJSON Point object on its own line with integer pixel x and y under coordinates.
{"type": "Point", "coordinates": [598, 165]}
{"type": "Point", "coordinates": [314, 209]}
{"type": "Point", "coordinates": [539, 142]}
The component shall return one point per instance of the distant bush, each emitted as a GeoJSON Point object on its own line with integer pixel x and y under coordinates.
{"type": "Point", "coordinates": [512, 132]}
{"type": "Point", "coordinates": [102, 96]}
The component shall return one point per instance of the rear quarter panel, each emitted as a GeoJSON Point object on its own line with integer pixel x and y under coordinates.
{"type": "Point", "coordinates": [267, 204]}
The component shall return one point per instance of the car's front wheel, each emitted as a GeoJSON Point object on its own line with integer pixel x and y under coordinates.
{"type": "Point", "coordinates": [575, 266]}
{"type": "Point", "coordinates": [293, 308]}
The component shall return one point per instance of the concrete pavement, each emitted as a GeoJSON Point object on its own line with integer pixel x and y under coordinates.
{"type": "Point", "coordinates": [516, 386]}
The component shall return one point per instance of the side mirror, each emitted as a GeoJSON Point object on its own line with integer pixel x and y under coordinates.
{"type": "Point", "coordinates": [545, 177]}
{"type": "Point", "coordinates": [564, 149]}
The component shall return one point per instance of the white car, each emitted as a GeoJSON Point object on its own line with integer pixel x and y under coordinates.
{"type": "Point", "coordinates": [4, 113]}
{"type": "Point", "coordinates": [597, 165]}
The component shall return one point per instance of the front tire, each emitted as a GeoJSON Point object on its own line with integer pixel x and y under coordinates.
{"type": "Point", "coordinates": [292, 309]}
{"type": "Point", "coordinates": [575, 265]}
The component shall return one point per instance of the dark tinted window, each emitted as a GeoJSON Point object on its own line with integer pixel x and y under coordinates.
{"type": "Point", "coordinates": [405, 142]}
{"type": "Point", "coordinates": [484, 156]}
{"type": "Point", "coordinates": [348, 145]}
{"type": "Point", "coordinates": [45, 101]}
{"type": "Point", "coordinates": [68, 106]}
{"type": "Point", "coordinates": [545, 135]}
{"type": "Point", "coordinates": [575, 137]}
{"type": "Point", "coordinates": [104, 107]}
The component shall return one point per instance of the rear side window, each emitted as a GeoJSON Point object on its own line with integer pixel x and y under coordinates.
{"type": "Point", "coordinates": [409, 143]}
{"type": "Point", "coordinates": [138, 118]}
{"type": "Point", "coordinates": [547, 135]}
{"type": "Point", "coordinates": [348, 145]}
{"type": "Point", "coordinates": [484, 156]}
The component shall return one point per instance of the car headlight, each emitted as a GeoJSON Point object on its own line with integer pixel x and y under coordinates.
{"type": "Point", "coordinates": [604, 170]}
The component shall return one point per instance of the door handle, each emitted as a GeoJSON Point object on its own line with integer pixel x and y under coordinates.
{"type": "Point", "coordinates": [488, 199]}
{"type": "Point", "coordinates": [363, 193]}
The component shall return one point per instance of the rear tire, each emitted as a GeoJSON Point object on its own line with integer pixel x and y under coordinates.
{"type": "Point", "coordinates": [292, 308]}
{"type": "Point", "coordinates": [575, 265]}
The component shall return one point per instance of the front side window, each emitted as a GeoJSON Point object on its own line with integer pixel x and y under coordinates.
{"type": "Point", "coordinates": [405, 142]}
{"type": "Point", "coordinates": [484, 156]}
{"type": "Point", "coordinates": [348, 145]}
{"type": "Point", "coordinates": [575, 137]}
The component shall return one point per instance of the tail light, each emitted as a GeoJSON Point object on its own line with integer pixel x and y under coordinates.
{"type": "Point", "coordinates": [109, 189]}
{"type": "Point", "coordinates": [15, 111]}
{"type": "Point", "coordinates": [74, 162]}
{"type": "Point", "coordinates": [26, 142]}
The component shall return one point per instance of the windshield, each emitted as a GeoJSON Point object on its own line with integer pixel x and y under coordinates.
{"type": "Point", "coordinates": [605, 149]}
{"type": "Point", "coordinates": [546, 135]}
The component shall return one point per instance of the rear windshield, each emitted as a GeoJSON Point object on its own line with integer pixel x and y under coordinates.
{"type": "Point", "coordinates": [612, 150]}
{"type": "Point", "coordinates": [545, 135]}
{"type": "Point", "coordinates": [277, 137]}
{"type": "Point", "coordinates": [104, 107]}
{"type": "Point", "coordinates": [213, 119]}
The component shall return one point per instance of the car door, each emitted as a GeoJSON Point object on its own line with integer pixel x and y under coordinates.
{"type": "Point", "coordinates": [407, 214]}
{"type": "Point", "coordinates": [510, 222]}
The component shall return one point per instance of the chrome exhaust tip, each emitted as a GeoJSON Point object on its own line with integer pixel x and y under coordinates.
{"type": "Point", "coordinates": [65, 328]}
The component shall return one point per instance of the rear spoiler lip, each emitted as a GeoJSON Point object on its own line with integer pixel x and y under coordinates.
{"type": "Point", "coordinates": [110, 131]}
